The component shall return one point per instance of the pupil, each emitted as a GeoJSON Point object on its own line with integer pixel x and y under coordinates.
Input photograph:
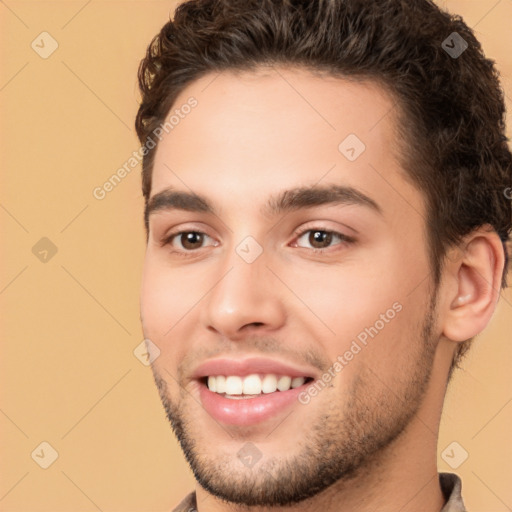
{"type": "Point", "coordinates": [191, 240]}
{"type": "Point", "coordinates": [319, 239]}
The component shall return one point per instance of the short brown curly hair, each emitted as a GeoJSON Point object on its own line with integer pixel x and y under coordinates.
{"type": "Point", "coordinates": [451, 109]}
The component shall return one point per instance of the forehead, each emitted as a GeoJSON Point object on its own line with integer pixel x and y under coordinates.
{"type": "Point", "coordinates": [260, 131]}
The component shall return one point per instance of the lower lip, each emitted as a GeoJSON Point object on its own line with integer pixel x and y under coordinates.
{"type": "Point", "coordinates": [248, 411]}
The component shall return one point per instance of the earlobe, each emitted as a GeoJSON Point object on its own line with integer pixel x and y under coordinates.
{"type": "Point", "coordinates": [477, 275]}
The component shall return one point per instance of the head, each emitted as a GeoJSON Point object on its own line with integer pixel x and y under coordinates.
{"type": "Point", "coordinates": [350, 119]}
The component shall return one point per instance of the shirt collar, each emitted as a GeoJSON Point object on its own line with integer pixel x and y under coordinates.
{"type": "Point", "coordinates": [451, 486]}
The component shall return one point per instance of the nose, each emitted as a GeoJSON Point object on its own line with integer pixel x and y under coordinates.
{"type": "Point", "coordinates": [245, 298]}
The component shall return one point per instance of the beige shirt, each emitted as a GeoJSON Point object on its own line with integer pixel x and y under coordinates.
{"type": "Point", "coordinates": [450, 485]}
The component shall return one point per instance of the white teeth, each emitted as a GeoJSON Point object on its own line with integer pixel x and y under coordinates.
{"type": "Point", "coordinates": [298, 381]}
{"type": "Point", "coordinates": [220, 384]}
{"type": "Point", "coordinates": [239, 397]}
{"type": "Point", "coordinates": [233, 385]}
{"type": "Point", "coordinates": [269, 384]}
{"type": "Point", "coordinates": [251, 385]}
{"type": "Point", "coordinates": [284, 383]}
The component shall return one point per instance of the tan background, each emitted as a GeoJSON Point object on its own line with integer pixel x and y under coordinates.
{"type": "Point", "coordinates": [70, 324]}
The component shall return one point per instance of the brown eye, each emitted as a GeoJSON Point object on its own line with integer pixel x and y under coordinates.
{"type": "Point", "coordinates": [188, 241]}
{"type": "Point", "coordinates": [191, 240]}
{"type": "Point", "coordinates": [320, 239]}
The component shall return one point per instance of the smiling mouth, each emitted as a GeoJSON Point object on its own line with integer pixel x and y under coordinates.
{"type": "Point", "coordinates": [236, 387]}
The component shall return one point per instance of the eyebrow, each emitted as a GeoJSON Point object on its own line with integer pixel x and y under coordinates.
{"type": "Point", "coordinates": [286, 201]}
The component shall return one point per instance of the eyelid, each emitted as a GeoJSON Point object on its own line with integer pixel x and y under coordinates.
{"type": "Point", "coordinates": [166, 239]}
{"type": "Point", "coordinates": [176, 235]}
{"type": "Point", "coordinates": [343, 238]}
{"type": "Point", "coordinates": [170, 236]}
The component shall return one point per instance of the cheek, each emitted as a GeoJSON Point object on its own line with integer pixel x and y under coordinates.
{"type": "Point", "coordinates": [363, 306]}
{"type": "Point", "coordinates": [166, 305]}
{"type": "Point", "coordinates": [166, 296]}
{"type": "Point", "coordinates": [345, 298]}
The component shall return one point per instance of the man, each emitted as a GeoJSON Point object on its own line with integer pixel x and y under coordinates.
{"type": "Point", "coordinates": [327, 218]}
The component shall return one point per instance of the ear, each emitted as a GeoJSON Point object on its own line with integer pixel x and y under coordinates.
{"type": "Point", "coordinates": [474, 278]}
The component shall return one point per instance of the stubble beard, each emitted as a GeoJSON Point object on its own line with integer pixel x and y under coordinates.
{"type": "Point", "coordinates": [341, 443]}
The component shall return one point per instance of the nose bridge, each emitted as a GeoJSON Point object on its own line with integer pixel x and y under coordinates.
{"type": "Point", "coordinates": [241, 293]}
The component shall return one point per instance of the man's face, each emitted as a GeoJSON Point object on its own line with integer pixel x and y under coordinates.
{"type": "Point", "coordinates": [275, 283]}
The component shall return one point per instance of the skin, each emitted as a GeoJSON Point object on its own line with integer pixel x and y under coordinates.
{"type": "Point", "coordinates": [371, 434]}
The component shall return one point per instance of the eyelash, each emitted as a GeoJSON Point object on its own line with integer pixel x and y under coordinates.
{"type": "Point", "coordinates": [297, 234]}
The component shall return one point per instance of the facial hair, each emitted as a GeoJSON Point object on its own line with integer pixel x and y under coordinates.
{"type": "Point", "coordinates": [341, 443]}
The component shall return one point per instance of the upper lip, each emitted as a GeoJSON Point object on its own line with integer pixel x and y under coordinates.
{"type": "Point", "coordinates": [248, 366]}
